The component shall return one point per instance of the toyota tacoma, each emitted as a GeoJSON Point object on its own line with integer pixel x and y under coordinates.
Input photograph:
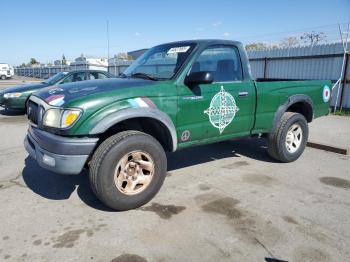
{"type": "Point", "coordinates": [174, 96]}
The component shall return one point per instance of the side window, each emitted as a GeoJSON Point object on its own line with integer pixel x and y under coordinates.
{"type": "Point", "coordinates": [102, 76]}
{"type": "Point", "coordinates": [78, 77]}
{"type": "Point", "coordinates": [68, 79]}
{"type": "Point", "coordinates": [222, 61]}
{"type": "Point", "coordinates": [93, 75]}
{"type": "Point", "coordinates": [97, 75]}
{"type": "Point", "coordinates": [75, 77]}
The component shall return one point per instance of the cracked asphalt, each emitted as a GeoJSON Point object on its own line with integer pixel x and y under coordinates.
{"type": "Point", "coordinates": [223, 202]}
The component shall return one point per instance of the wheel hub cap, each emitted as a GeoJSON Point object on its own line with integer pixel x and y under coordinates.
{"type": "Point", "coordinates": [134, 172]}
{"type": "Point", "coordinates": [294, 138]}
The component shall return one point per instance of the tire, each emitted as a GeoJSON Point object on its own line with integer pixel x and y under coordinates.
{"type": "Point", "coordinates": [120, 148]}
{"type": "Point", "coordinates": [3, 77]}
{"type": "Point", "coordinates": [283, 143]}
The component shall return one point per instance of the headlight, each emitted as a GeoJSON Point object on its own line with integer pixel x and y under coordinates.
{"type": "Point", "coordinates": [12, 95]}
{"type": "Point", "coordinates": [52, 118]}
{"type": "Point", "coordinates": [60, 118]}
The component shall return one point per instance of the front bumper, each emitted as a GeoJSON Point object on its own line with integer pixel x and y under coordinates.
{"type": "Point", "coordinates": [59, 154]}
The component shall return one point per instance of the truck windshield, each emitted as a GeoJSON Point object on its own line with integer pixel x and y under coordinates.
{"type": "Point", "coordinates": [160, 62]}
{"type": "Point", "coordinates": [55, 78]}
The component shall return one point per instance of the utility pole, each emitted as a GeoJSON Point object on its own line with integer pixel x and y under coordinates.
{"type": "Point", "coordinates": [345, 47]}
{"type": "Point", "coordinates": [107, 40]}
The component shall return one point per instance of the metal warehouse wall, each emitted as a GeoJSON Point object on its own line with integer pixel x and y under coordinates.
{"type": "Point", "coordinates": [317, 62]}
{"type": "Point", "coordinates": [48, 71]}
{"type": "Point", "coordinates": [40, 72]}
{"type": "Point", "coordinates": [117, 67]}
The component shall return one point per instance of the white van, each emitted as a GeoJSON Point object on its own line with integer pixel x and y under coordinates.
{"type": "Point", "coordinates": [6, 71]}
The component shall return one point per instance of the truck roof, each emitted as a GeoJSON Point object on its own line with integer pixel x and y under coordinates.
{"type": "Point", "coordinates": [207, 42]}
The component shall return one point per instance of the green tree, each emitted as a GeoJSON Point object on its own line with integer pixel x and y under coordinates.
{"type": "Point", "coordinates": [64, 61]}
{"type": "Point", "coordinates": [256, 46]}
{"type": "Point", "coordinates": [313, 38]}
{"type": "Point", "coordinates": [123, 56]}
{"type": "Point", "coordinates": [33, 61]}
{"type": "Point", "coordinates": [290, 41]}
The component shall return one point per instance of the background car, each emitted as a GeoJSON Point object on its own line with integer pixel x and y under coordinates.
{"type": "Point", "coordinates": [15, 97]}
{"type": "Point", "coordinates": [6, 71]}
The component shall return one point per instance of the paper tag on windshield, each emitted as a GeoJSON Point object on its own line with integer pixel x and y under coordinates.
{"type": "Point", "coordinates": [180, 49]}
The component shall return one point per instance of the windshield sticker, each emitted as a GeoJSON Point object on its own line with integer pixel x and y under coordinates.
{"type": "Point", "coordinates": [180, 49]}
{"type": "Point", "coordinates": [326, 94]}
{"type": "Point", "coordinates": [222, 109]}
{"type": "Point", "coordinates": [55, 100]}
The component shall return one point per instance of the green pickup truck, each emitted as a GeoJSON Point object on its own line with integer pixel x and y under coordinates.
{"type": "Point", "coordinates": [174, 96]}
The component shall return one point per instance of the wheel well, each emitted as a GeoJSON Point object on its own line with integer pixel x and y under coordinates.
{"type": "Point", "coordinates": [303, 108]}
{"type": "Point", "coordinates": [147, 125]}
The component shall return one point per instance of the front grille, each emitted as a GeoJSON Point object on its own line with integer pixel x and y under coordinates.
{"type": "Point", "coordinates": [33, 111]}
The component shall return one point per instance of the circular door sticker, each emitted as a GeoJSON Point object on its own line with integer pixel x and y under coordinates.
{"type": "Point", "coordinates": [326, 94]}
{"type": "Point", "coordinates": [222, 109]}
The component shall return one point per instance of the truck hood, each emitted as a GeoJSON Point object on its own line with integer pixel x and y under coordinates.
{"type": "Point", "coordinates": [24, 88]}
{"type": "Point", "coordinates": [62, 94]}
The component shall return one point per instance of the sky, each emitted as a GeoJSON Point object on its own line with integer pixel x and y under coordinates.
{"type": "Point", "coordinates": [47, 29]}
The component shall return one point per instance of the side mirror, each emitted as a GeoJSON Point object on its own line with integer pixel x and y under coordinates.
{"type": "Point", "coordinates": [197, 78]}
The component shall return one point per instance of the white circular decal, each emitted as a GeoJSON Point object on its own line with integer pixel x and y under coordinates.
{"type": "Point", "coordinates": [222, 109]}
{"type": "Point", "coordinates": [326, 94]}
{"type": "Point", "coordinates": [185, 135]}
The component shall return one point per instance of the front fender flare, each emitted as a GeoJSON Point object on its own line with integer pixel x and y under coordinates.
{"type": "Point", "coordinates": [130, 113]}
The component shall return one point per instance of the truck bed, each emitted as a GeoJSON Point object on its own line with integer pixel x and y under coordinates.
{"type": "Point", "coordinates": [272, 93]}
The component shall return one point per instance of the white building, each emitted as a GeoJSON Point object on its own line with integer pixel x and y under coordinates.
{"type": "Point", "coordinates": [83, 62]}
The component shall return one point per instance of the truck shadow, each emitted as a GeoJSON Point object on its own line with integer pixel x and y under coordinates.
{"type": "Point", "coordinates": [251, 147]}
{"type": "Point", "coordinates": [60, 187]}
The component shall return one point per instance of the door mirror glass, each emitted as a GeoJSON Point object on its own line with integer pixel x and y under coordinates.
{"type": "Point", "coordinates": [197, 78]}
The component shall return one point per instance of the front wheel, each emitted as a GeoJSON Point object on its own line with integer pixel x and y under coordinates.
{"type": "Point", "coordinates": [127, 170]}
{"type": "Point", "coordinates": [288, 141]}
{"type": "Point", "coordinates": [3, 77]}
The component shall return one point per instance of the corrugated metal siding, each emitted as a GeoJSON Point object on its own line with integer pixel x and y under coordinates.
{"type": "Point", "coordinates": [46, 72]}
{"type": "Point", "coordinates": [40, 72]}
{"type": "Point", "coordinates": [308, 68]}
{"type": "Point", "coordinates": [117, 67]}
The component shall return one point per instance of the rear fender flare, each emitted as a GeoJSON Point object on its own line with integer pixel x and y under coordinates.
{"type": "Point", "coordinates": [291, 100]}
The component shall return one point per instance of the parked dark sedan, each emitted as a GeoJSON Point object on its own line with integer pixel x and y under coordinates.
{"type": "Point", "coordinates": [15, 97]}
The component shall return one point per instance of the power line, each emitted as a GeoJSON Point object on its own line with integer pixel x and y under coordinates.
{"type": "Point", "coordinates": [302, 30]}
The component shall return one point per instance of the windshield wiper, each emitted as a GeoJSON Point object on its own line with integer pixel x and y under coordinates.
{"type": "Point", "coordinates": [144, 76]}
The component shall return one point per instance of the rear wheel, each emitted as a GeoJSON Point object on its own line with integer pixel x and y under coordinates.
{"type": "Point", "coordinates": [3, 77]}
{"type": "Point", "coordinates": [127, 170]}
{"type": "Point", "coordinates": [287, 142]}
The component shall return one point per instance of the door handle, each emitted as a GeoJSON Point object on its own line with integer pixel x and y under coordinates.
{"type": "Point", "coordinates": [242, 93]}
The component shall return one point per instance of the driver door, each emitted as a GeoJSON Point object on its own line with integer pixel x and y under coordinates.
{"type": "Point", "coordinates": [224, 108]}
